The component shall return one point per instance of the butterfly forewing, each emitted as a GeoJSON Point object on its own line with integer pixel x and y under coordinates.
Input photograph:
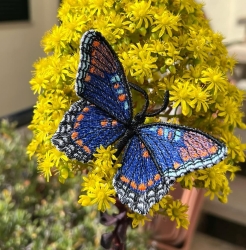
{"type": "Point", "coordinates": [84, 128]}
{"type": "Point", "coordinates": [101, 79]}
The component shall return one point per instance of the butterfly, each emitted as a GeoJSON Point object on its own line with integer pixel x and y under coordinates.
{"type": "Point", "coordinates": [155, 154]}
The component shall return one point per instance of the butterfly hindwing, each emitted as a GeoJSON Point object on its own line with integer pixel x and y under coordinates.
{"type": "Point", "coordinates": [101, 79]}
{"type": "Point", "coordinates": [84, 128]}
{"type": "Point", "coordinates": [178, 150]}
{"type": "Point", "coordinates": [157, 156]}
{"type": "Point", "coordinates": [138, 182]}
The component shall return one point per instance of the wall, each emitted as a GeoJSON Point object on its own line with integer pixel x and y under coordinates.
{"type": "Point", "coordinates": [224, 15]}
{"type": "Point", "coordinates": [19, 49]}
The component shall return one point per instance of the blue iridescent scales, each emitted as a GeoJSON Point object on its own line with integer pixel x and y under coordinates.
{"type": "Point", "coordinates": [154, 154]}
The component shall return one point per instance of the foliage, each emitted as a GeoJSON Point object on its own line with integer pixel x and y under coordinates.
{"type": "Point", "coordinates": [39, 215]}
{"type": "Point", "coordinates": [163, 45]}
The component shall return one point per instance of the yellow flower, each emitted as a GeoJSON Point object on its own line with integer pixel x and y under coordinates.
{"type": "Point", "coordinates": [233, 170]}
{"type": "Point", "coordinates": [138, 219]}
{"type": "Point", "coordinates": [197, 45]}
{"type": "Point", "coordinates": [105, 156]}
{"type": "Point", "coordinates": [173, 52]}
{"type": "Point", "coordinates": [45, 166]}
{"type": "Point", "coordinates": [102, 195]}
{"type": "Point", "coordinates": [58, 68]}
{"type": "Point", "coordinates": [176, 211]}
{"type": "Point", "coordinates": [105, 165]}
{"type": "Point", "coordinates": [188, 5]}
{"type": "Point", "coordinates": [141, 12]}
{"type": "Point", "coordinates": [193, 74]}
{"type": "Point", "coordinates": [100, 6]}
{"type": "Point", "coordinates": [38, 83]}
{"type": "Point", "coordinates": [118, 22]}
{"type": "Point", "coordinates": [128, 61]}
{"type": "Point", "coordinates": [158, 47]}
{"type": "Point", "coordinates": [32, 147]}
{"type": "Point", "coordinates": [212, 193]}
{"type": "Point", "coordinates": [166, 21]}
{"type": "Point", "coordinates": [57, 157]}
{"type": "Point", "coordinates": [182, 94]}
{"type": "Point", "coordinates": [84, 200]}
{"type": "Point", "coordinates": [213, 176]}
{"type": "Point", "coordinates": [75, 26]}
{"type": "Point", "coordinates": [90, 181]}
{"type": "Point", "coordinates": [144, 64]}
{"type": "Point", "coordinates": [54, 40]}
{"type": "Point", "coordinates": [235, 147]}
{"type": "Point", "coordinates": [73, 63]}
{"type": "Point", "coordinates": [201, 99]}
{"type": "Point", "coordinates": [187, 180]}
{"type": "Point", "coordinates": [214, 79]}
{"type": "Point", "coordinates": [229, 111]}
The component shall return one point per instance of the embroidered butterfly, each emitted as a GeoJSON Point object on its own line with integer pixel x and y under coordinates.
{"type": "Point", "coordinates": [154, 154]}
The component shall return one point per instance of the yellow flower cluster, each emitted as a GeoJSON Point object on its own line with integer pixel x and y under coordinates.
{"type": "Point", "coordinates": [97, 184]}
{"type": "Point", "coordinates": [174, 209]}
{"type": "Point", "coordinates": [163, 45]}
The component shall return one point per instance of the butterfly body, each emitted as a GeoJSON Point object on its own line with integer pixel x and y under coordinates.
{"type": "Point", "coordinates": [155, 155]}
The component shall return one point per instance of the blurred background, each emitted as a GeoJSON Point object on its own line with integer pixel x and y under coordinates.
{"type": "Point", "coordinates": [22, 25]}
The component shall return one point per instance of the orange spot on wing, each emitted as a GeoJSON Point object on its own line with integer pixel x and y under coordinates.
{"type": "Point", "coordinates": [76, 125]}
{"type": "Point", "coordinates": [184, 154]}
{"type": "Point", "coordinates": [93, 61]}
{"type": "Point", "coordinates": [142, 187]}
{"type": "Point", "coordinates": [92, 69]}
{"type": "Point", "coordinates": [203, 153]}
{"type": "Point", "coordinates": [157, 177]}
{"type": "Point", "coordinates": [122, 97]}
{"type": "Point", "coordinates": [79, 142]}
{"type": "Point", "coordinates": [133, 185]}
{"type": "Point", "coordinates": [150, 183]}
{"type": "Point", "coordinates": [213, 149]}
{"type": "Point", "coordinates": [80, 117]}
{"type": "Point", "coordinates": [160, 131]}
{"type": "Point", "coordinates": [87, 150]}
{"type": "Point", "coordinates": [194, 155]}
{"type": "Point", "coordinates": [124, 179]}
{"type": "Point", "coordinates": [96, 43]}
{"type": "Point", "coordinates": [86, 109]}
{"type": "Point", "coordinates": [117, 85]}
{"type": "Point", "coordinates": [93, 53]}
{"type": "Point", "coordinates": [142, 145]}
{"type": "Point", "coordinates": [104, 123]}
{"type": "Point", "coordinates": [74, 135]}
{"type": "Point", "coordinates": [145, 154]}
{"type": "Point", "coordinates": [87, 78]}
{"type": "Point", "coordinates": [176, 165]}
{"type": "Point", "coordinates": [185, 158]}
{"type": "Point", "coordinates": [114, 123]}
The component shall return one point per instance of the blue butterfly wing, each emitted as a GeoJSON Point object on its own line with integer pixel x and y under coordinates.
{"type": "Point", "coordinates": [101, 79]}
{"type": "Point", "coordinates": [156, 156]}
{"type": "Point", "coordinates": [178, 150]}
{"type": "Point", "coordinates": [138, 182]}
{"type": "Point", "coordinates": [85, 127]}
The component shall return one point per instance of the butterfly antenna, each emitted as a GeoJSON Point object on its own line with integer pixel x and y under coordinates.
{"type": "Point", "coordinates": [143, 92]}
{"type": "Point", "coordinates": [163, 107]}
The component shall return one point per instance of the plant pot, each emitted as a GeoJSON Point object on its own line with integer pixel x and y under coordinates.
{"type": "Point", "coordinates": [164, 234]}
